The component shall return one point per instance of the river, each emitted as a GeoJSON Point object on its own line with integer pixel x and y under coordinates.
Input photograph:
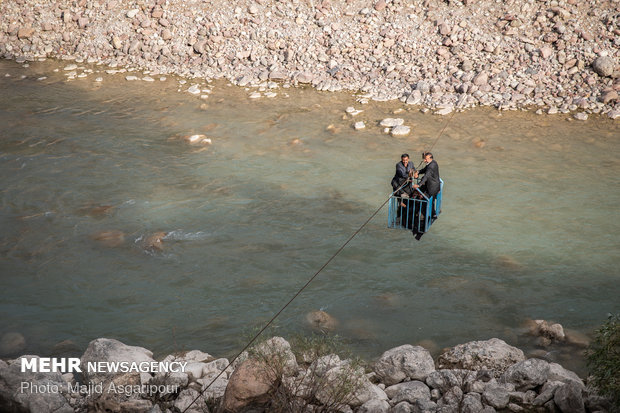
{"type": "Point", "coordinates": [529, 228]}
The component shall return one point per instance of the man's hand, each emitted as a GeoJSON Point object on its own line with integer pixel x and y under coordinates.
{"type": "Point", "coordinates": [415, 174]}
{"type": "Point", "coordinates": [416, 186]}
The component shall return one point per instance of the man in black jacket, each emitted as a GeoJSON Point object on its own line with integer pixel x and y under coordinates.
{"type": "Point", "coordinates": [429, 184]}
{"type": "Point", "coordinates": [403, 172]}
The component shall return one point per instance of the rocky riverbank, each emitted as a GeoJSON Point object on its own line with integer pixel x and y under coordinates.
{"type": "Point", "coordinates": [479, 376]}
{"type": "Point", "coordinates": [558, 56]}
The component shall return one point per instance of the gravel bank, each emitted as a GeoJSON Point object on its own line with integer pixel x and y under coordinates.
{"type": "Point", "coordinates": [557, 56]}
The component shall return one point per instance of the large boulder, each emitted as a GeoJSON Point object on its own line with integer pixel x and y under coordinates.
{"type": "Point", "coordinates": [110, 350]}
{"type": "Point", "coordinates": [604, 66]}
{"type": "Point", "coordinates": [346, 384]}
{"type": "Point", "coordinates": [250, 385]}
{"type": "Point", "coordinates": [276, 352]}
{"type": "Point", "coordinates": [527, 374]}
{"type": "Point", "coordinates": [569, 398]}
{"type": "Point", "coordinates": [31, 392]}
{"type": "Point", "coordinates": [374, 406]}
{"type": "Point", "coordinates": [405, 362]}
{"type": "Point", "coordinates": [472, 403]}
{"type": "Point", "coordinates": [446, 379]}
{"type": "Point", "coordinates": [409, 391]}
{"type": "Point", "coordinates": [559, 373]}
{"type": "Point", "coordinates": [492, 354]}
{"type": "Point", "coordinates": [496, 396]}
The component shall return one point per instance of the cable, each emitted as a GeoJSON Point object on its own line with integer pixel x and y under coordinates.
{"type": "Point", "coordinates": [315, 275]}
{"type": "Point", "coordinates": [293, 298]}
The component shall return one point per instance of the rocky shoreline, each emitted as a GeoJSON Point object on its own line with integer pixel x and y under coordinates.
{"type": "Point", "coordinates": [479, 376]}
{"type": "Point", "coordinates": [551, 55]}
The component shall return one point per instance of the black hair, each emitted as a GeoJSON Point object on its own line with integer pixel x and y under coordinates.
{"type": "Point", "coordinates": [425, 154]}
{"type": "Point", "coordinates": [404, 155]}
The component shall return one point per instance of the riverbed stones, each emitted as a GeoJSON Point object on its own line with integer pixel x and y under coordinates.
{"type": "Point", "coordinates": [359, 125]}
{"type": "Point", "coordinates": [357, 52]}
{"type": "Point", "coordinates": [404, 362]}
{"type": "Point", "coordinates": [256, 375]}
{"type": "Point", "coordinates": [493, 354]}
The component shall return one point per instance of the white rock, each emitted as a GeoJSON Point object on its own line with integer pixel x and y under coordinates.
{"type": "Point", "coordinates": [194, 90]}
{"type": "Point", "coordinates": [359, 125]}
{"type": "Point", "coordinates": [401, 130]}
{"type": "Point", "coordinates": [199, 139]}
{"type": "Point", "coordinates": [70, 67]}
{"type": "Point", "coordinates": [148, 79]}
{"type": "Point", "coordinates": [131, 77]}
{"type": "Point", "coordinates": [271, 95]}
{"type": "Point", "coordinates": [445, 110]}
{"type": "Point", "coordinates": [105, 349]}
{"type": "Point", "coordinates": [352, 111]}
{"type": "Point", "coordinates": [581, 116]}
{"type": "Point", "coordinates": [391, 122]}
{"type": "Point", "coordinates": [255, 95]}
{"type": "Point", "coordinates": [490, 354]}
{"type": "Point", "coordinates": [132, 13]}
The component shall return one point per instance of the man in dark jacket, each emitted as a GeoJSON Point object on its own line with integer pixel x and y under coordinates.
{"type": "Point", "coordinates": [429, 184]}
{"type": "Point", "coordinates": [403, 172]}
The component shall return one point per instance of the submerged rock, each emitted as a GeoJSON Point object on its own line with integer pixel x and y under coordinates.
{"type": "Point", "coordinates": [321, 320]}
{"type": "Point", "coordinates": [11, 343]}
{"type": "Point", "coordinates": [154, 242]}
{"type": "Point", "coordinates": [112, 238]}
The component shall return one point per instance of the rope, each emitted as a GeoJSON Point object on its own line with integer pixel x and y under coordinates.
{"type": "Point", "coordinates": [440, 134]}
{"type": "Point", "coordinates": [315, 275]}
{"type": "Point", "coordinates": [293, 298]}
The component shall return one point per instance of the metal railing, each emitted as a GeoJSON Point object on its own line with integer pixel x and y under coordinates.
{"type": "Point", "coordinates": [414, 213]}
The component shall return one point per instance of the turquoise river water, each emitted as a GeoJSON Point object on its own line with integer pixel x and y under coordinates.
{"type": "Point", "coordinates": [529, 227]}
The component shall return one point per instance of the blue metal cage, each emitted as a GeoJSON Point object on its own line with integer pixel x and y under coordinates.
{"type": "Point", "coordinates": [414, 213]}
